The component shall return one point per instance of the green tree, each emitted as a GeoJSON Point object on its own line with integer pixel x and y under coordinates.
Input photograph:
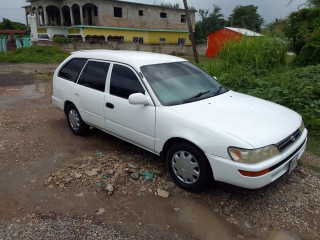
{"type": "Point", "coordinates": [210, 22]}
{"type": "Point", "coordinates": [303, 32]}
{"type": "Point", "coordinates": [314, 3]}
{"type": "Point", "coordinates": [246, 17]}
{"type": "Point", "coordinates": [6, 24]}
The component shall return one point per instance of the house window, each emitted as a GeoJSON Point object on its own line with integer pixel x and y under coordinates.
{"type": "Point", "coordinates": [95, 9]}
{"type": "Point", "coordinates": [138, 39]}
{"type": "Point", "coordinates": [181, 41]}
{"type": "Point", "coordinates": [140, 12]}
{"type": "Point", "coordinates": [117, 12]}
{"type": "Point", "coordinates": [162, 40]}
{"type": "Point", "coordinates": [163, 15]}
{"type": "Point", "coordinates": [183, 18]}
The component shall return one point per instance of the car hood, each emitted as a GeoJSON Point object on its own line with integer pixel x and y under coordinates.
{"type": "Point", "coordinates": [255, 121]}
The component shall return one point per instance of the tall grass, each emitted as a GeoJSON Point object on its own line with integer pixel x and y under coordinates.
{"type": "Point", "coordinates": [258, 54]}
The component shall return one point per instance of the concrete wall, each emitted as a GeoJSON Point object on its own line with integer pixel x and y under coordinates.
{"type": "Point", "coordinates": [159, 48]}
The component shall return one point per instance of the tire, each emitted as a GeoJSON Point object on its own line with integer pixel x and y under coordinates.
{"type": "Point", "coordinates": [75, 122]}
{"type": "Point", "coordinates": [189, 167]}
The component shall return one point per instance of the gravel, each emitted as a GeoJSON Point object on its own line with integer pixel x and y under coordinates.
{"type": "Point", "coordinates": [51, 227]}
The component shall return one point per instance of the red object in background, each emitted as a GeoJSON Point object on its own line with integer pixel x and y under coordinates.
{"type": "Point", "coordinates": [216, 40]}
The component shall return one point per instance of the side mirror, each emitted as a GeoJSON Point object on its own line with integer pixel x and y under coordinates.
{"type": "Point", "coordinates": [139, 99]}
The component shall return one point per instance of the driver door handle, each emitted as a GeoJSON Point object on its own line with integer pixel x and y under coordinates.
{"type": "Point", "coordinates": [109, 105]}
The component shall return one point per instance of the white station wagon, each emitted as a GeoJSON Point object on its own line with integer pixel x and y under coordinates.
{"type": "Point", "coordinates": [171, 108]}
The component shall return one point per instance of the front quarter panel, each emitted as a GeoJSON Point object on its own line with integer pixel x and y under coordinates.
{"type": "Point", "coordinates": [170, 124]}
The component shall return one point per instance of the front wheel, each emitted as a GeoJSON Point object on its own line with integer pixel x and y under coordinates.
{"type": "Point", "coordinates": [189, 167]}
{"type": "Point", "coordinates": [75, 122]}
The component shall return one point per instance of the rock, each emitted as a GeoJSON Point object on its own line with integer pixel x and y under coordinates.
{"type": "Point", "coordinates": [61, 185]}
{"type": "Point", "coordinates": [130, 165]}
{"type": "Point", "coordinates": [125, 193]}
{"type": "Point", "coordinates": [168, 185]}
{"type": "Point", "coordinates": [162, 193]}
{"type": "Point", "coordinates": [91, 173]}
{"type": "Point", "coordinates": [77, 175]}
{"type": "Point", "coordinates": [109, 172]}
{"type": "Point", "coordinates": [143, 189]}
{"type": "Point", "coordinates": [227, 210]}
{"type": "Point", "coordinates": [33, 181]}
{"type": "Point", "coordinates": [98, 170]}
{"type": "Point", "coordinates": [100, 211]}
{"type": "Point", "coordinates": [79, 195]}
{"type": "Point", "coordinates": [135, 176]}
{"type": "Point", "coordinates": [109, 188]}
{"type": "Point", "coordinates": [68, 180]}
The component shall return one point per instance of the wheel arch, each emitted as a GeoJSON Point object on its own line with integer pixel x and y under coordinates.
{"type": "Point", "coordinates": [66, 105]}
{"type": "Point", "coordinates": [175, 140]}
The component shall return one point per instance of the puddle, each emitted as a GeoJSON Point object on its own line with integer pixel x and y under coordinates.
{"type": "Point", "coordinates": [201, 221]}
{"type": "Point", "coordinates": [282, 235]}
{"type": "Point", "coordinates": [10, 95]}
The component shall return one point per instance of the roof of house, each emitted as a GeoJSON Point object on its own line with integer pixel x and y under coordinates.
{"type": "Point", "coordinates": [246, 32]}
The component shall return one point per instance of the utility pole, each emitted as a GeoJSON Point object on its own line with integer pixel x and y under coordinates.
{"type": "Point", "coordinates": [191, 33]}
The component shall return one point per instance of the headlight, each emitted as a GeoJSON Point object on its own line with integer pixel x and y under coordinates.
{"type": "Point", "coordinates": [253, 155]}
{"type": "Point", "coordinates": [301, 128]}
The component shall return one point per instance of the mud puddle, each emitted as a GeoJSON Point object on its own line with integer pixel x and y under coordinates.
{"type": "Point", "coordinates": [14, 94]}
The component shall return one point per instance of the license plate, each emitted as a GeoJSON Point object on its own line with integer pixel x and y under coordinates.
{"type": "Point", "coordinates": [293, 163]}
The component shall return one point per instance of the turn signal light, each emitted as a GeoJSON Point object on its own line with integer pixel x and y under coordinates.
{"type": "Point", "coordinates": [254, 174]}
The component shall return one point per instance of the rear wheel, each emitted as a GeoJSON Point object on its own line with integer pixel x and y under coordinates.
{"type": "Point", "coordinates": [75, 122]}
{"type": "Point", "coordinates": [189, 167]}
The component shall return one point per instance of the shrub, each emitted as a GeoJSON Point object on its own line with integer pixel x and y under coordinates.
{"type": "Point", "coordinates": [62, 40]}
{"type": "Point", "coordinates": [34, 54]}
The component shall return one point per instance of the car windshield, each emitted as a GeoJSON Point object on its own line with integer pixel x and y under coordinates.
{"type": "Point", "coordinates": [180, 82]}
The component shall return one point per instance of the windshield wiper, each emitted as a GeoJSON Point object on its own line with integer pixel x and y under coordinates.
{"type": "Point", "coordinates": [195, 96]}
{"type": "Point", "coordinates": [219, 90]}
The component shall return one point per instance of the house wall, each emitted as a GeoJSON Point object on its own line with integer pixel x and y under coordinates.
{"type": "Point", "coordinates": [159, 48]}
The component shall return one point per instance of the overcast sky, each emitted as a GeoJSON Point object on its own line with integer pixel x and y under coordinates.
{"type": "Point", "coordinates": [268, 9]}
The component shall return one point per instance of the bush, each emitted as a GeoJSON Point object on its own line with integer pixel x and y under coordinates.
{"type": "Point", "coordinates": [34, 54]}
{"type": "Point", "coordinates": [300, 26]}
{"type": "Point", "coordinates": [62, 40]}
{"type": "Point", "coordinates": [309, 55]}
{"type": "Point", "coordinates": [258, 55]}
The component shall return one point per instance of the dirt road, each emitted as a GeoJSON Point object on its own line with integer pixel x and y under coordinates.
{"type": "Point", "coordinates": [54, 184]}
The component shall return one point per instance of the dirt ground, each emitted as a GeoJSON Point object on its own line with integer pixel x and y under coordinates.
{"type": "Point", "coordinates": [56, 185]}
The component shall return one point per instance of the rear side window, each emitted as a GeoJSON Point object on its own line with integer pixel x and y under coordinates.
{"type": "Point", "coordinates": [71, 70]}
{"type": "Point", "coordinates": [94, 75]}
{"type": "Point", "coordinates": [124, 82]}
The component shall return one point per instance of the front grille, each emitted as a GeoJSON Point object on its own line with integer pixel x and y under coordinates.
{"type": "Point", "coordinates": [287, 158]}
{"type": "Point", "coordinates": [289, 140]}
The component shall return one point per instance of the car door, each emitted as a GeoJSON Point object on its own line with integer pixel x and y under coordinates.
{"type": "Point", "coordinates": [134, 123]}
{"type": "Point", "coordinates": [90, 92]}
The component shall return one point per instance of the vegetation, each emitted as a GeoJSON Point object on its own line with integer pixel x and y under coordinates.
{"type": "Point", "coordinates": [6, 24]}
{"type": "Point", "coordinates": [209, 23]}
{"type": "Point", "coordinates": [246, 17]}
{"type": "Point", "coordinates": [34, 54]}
{"type": "Point", "coordinates": [303, 31]}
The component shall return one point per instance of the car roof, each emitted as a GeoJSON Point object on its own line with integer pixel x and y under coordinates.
{"type": "Point", "coordinates": [133, 58]}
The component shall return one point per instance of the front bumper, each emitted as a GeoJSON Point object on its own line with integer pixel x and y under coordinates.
{"type": "Point", "coordinates": [226, 170]}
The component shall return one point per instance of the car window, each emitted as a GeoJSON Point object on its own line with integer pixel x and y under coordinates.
{"type": "Point", "coordinates": [124, 82]}
{"type": "Point", "coordinates": [94, 75]}
{"type": "Point", "coordinates": [71, 70]}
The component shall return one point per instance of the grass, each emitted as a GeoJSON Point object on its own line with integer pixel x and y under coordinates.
{"type": "Point", "coordinates": [34, 54]}
{"type": "Point", "coordinates": [313, 144]}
